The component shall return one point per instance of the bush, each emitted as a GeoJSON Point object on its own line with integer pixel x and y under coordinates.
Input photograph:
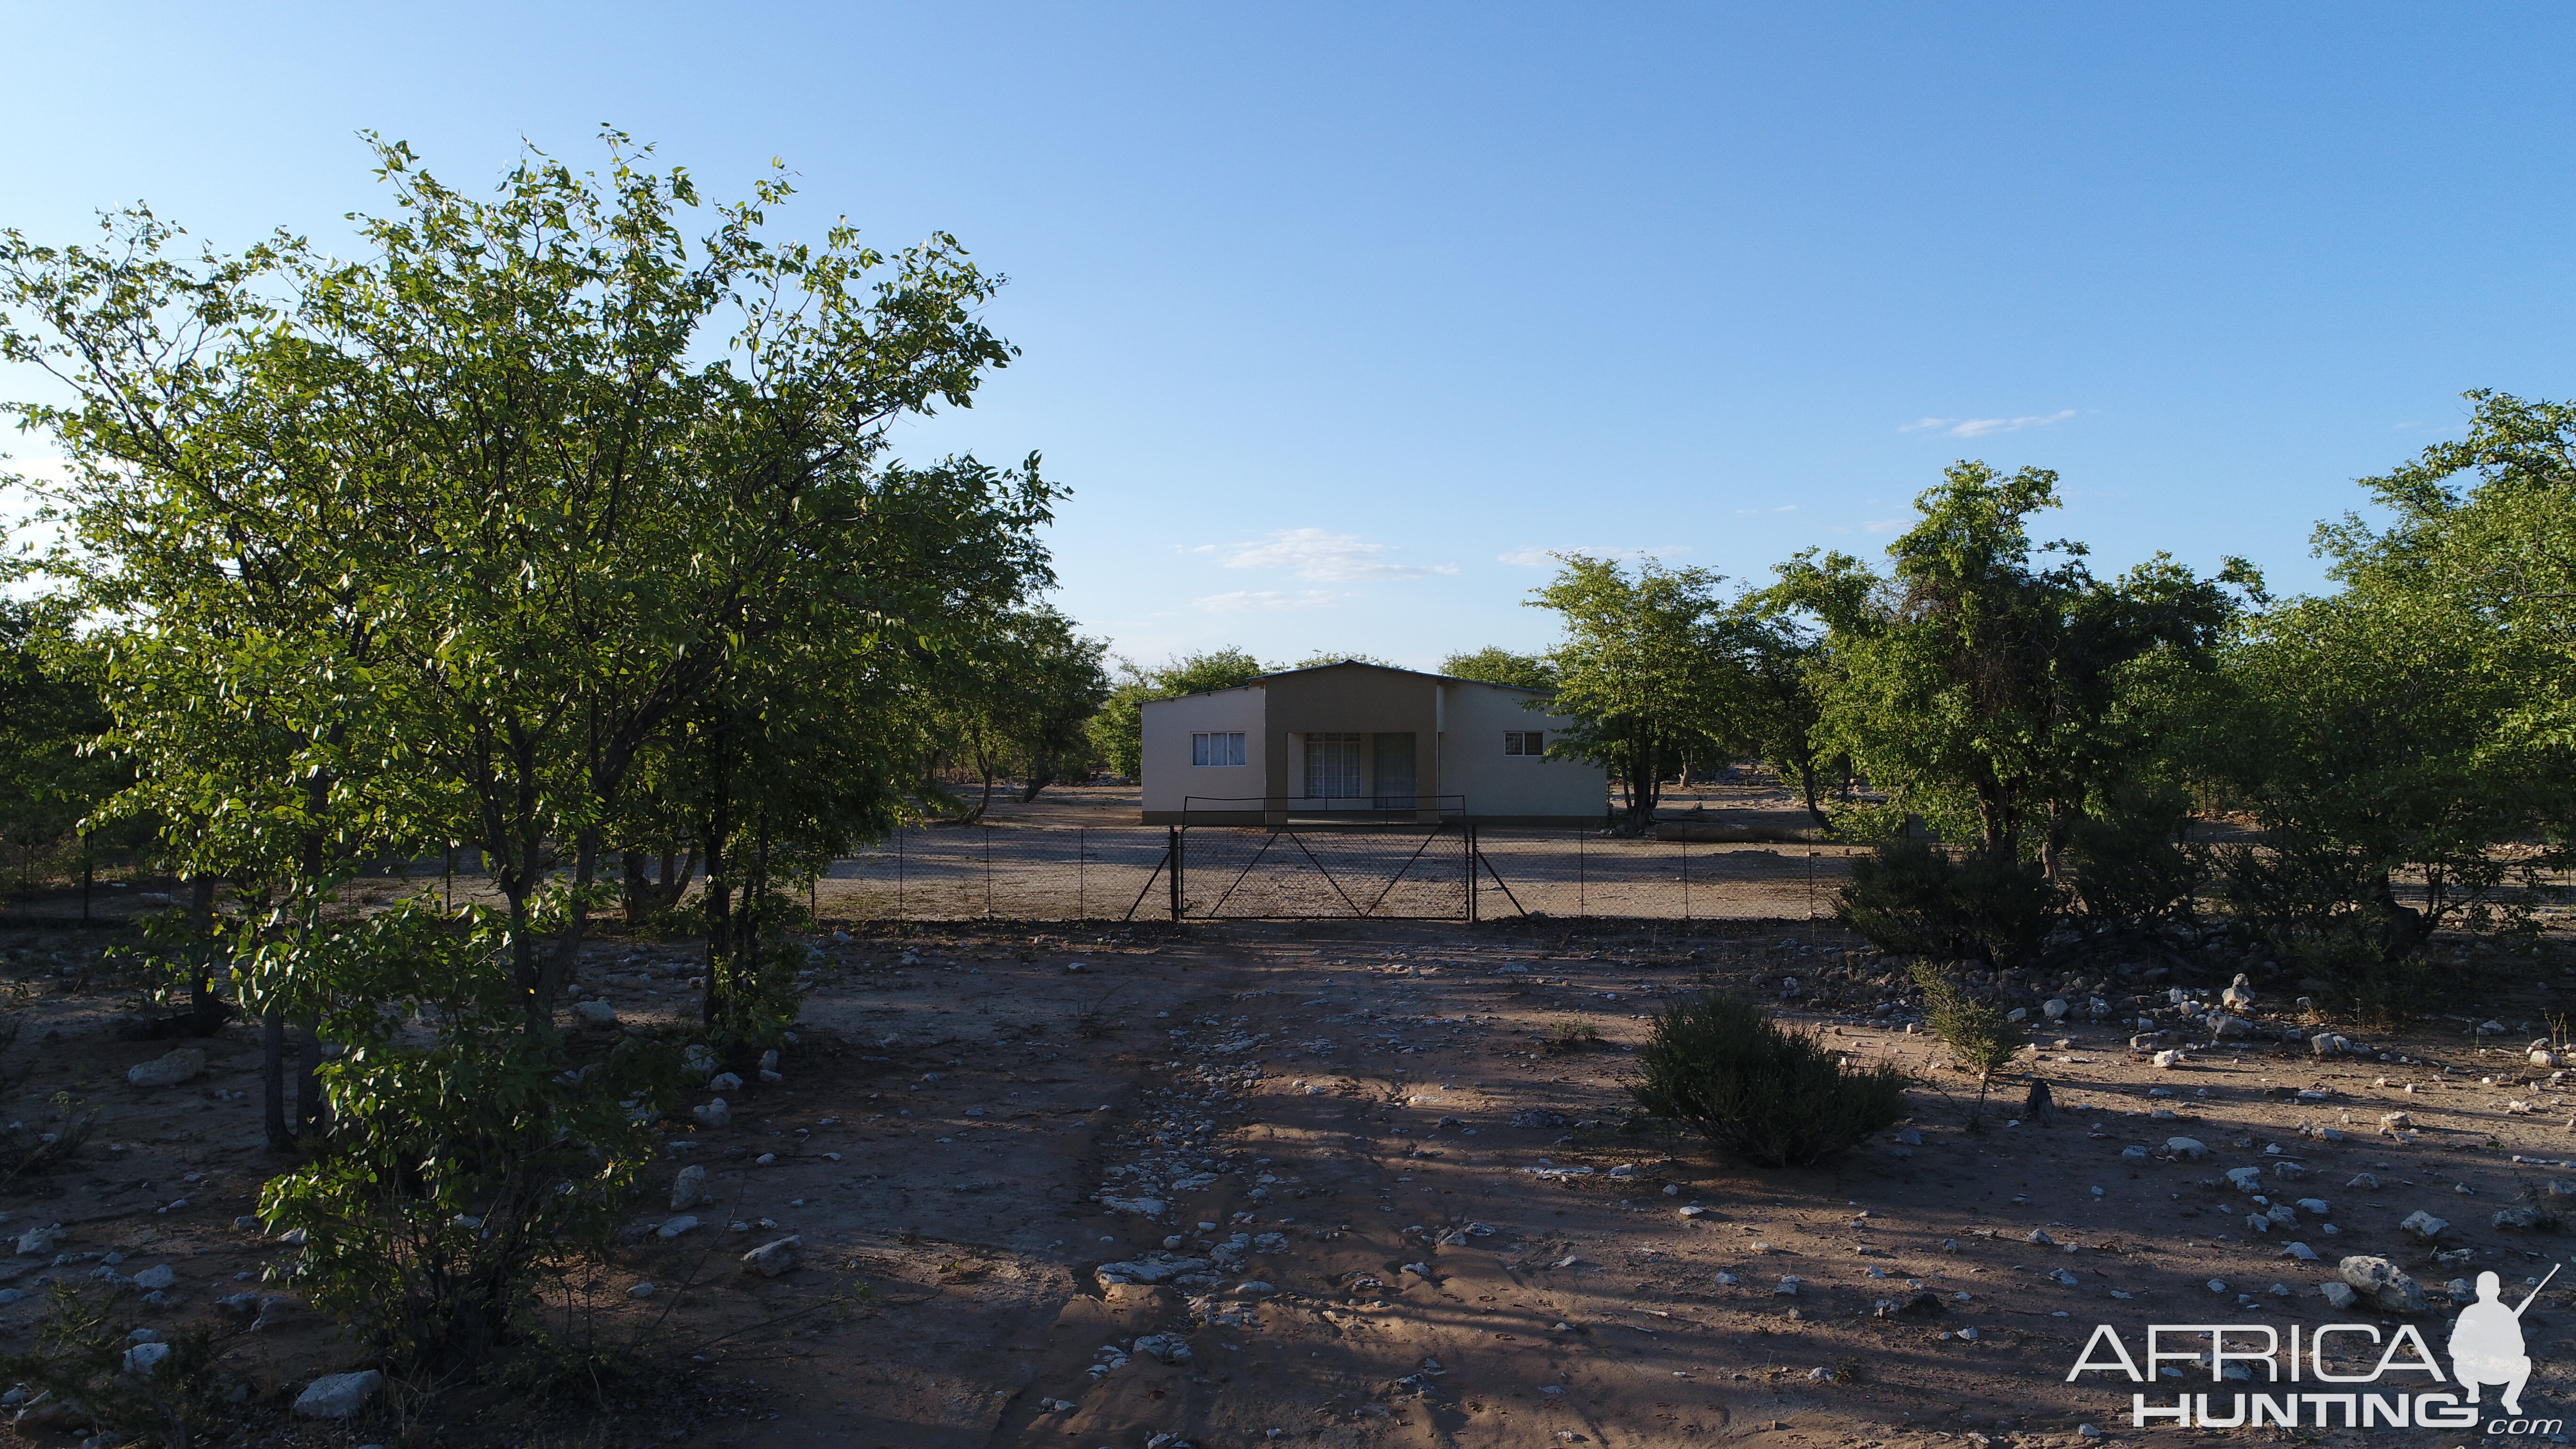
{"type": "Point", "coordinates": [1976, 1031]}
{"type": "Point", "coordinates": [2130, 867]}
{"type": "Point", "coordinates": [2330, 917]}
{"type": "Point", "coordinates": [78, 1361]}
{"type": "Point", "coordinates": [1907, 896]}
{"type": "Point", "coordinates": [1776, 1097]}
{"type": "Point", "coordinates": [466, 1158]}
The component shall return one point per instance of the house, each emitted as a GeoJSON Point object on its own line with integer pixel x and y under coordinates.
{"type": "Point", "coordinates": [1366, 741]}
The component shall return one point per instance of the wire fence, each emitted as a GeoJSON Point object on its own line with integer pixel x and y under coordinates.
{"type": "Point", "coordinates": [1416, 872]}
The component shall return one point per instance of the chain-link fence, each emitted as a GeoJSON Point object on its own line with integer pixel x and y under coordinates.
{"type": "Point", "coordinates": [1449, 872]}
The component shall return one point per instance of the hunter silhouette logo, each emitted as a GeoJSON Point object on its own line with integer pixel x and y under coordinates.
{"type": "Point", "coordinates": [2486, 1343]}
{"type": "Point", "coordinates": [2486, 1349]}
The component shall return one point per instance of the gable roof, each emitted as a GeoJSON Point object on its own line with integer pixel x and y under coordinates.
{"type": "Point", "coordinates": [1357, 664]}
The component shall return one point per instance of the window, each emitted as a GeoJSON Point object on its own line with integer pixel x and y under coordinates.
{"type": "Point", "coordinates": [1217, 749]}
{"type": "Point", "coordinates": [1525, 742]}
{"type": "Point", "coordinates": [1332, 766]}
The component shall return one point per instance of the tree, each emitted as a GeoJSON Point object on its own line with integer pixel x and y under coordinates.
{"type": "Point", "coordinates": [1987, 693]}
{"type": "Point", "coordinates": [1645, 670]}
{"type": "Point", "coordinates": [2404, 727]}
{"type": "Point", "coordinates": [542, 521]}
{"type": "Point", "coordinates": [50, 713]}
{"type": "Point", "coordinates": [1776, 715]}
{"type": "Point", "coordinates": [1023, 694]}
{"type": "Point", "coordinates": [1118, 728]}
{"type": "Point", "coordinates": [541, 505]}
{"type": "Point", "coordinates": [1323, 658]}
{"type": "Point", "coordinates": [1496, 665]}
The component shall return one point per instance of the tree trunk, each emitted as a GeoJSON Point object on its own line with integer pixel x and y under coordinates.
{"type": "Point", "coordinates": [272, 1080]}
{"type": "Point", "coordinates": [309, 1116]}
{"type": "Point", "coordinates": [2052, 846]}
{"type": "Point", "coordinates": [1807, 786]}
{"type": "Point", "coordinates": [205, 1008]}
{"type": "Point", "coordinates": [559, 964]}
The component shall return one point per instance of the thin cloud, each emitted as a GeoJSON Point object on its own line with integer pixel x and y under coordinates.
{"type": "Point", "coordinates": [1260, 601]}
{"type": "Point", "coordinates": [1329, 558]}
{"type": "Point", "coordinates": [1983, 427]}
{"type": "Point", "coordinates": [1536, 557]}
{"type": "Point", "coordinates": [1883, 525]}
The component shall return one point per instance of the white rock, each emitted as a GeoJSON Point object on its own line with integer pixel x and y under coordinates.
{"type": "Point", "coordinates": [598, 1015]}
{"type": "Point", "coordinates": [2383, 1283]}
{"type": "Point", "coordinates": [156, 1277]}
{"type": "Point", "coordinates": [2223, 1027]}
{"type": "Point", "coordinates": [1694, 1210]}
{"type": "Point", "coordinates": [677, 1226]}
{"type": "Point", "coordinates": [724, 1082]}
{"type": "Point", "coordinates": [2338, 1296]}
{"type": "Point", "coordinates": [2055, 1009]}
{"type": "Point", "coordinates": [640, 1290]}
{"type": "Point", "coordinates": [2544, 1060]}
{"type": "Point", "coordinates": [689, 1188]}
{"type": "Point", "coordinates": [2168, 1058]}
{"type": "Point", "coordinates": [2300, 1251]}
{"type": "Point", "coordinates": [713, 1114]}
{"type": "Point", "coordinates": [2133, 1153]}
{"type": "Point", "coordinates": [1788, 1288]}
{"type": "Point", "coordinates": [2423, 1225]}
{"type": "Point", "coordinates": [337, 1396]}
{"type": "Point", "coordinates": [2247, 1179]}
{"type": "Point", "coordinates": [144, 1357]}
{"type": "Point", "coordinates": [35, 1242]}
{"type": "Point", "coordinates": [2390, 1121]}
{"type": "Point", "coordinates": [771, 1259]}
{"type": "Point", "coordinates": [2190, 1148]}
{"type": "Point", "coordinates": [2018, 1013]}
{"type": "Point", "coordinates": [1164, 1347]}
{"type": "Point", "coordinates": [168, 1071]}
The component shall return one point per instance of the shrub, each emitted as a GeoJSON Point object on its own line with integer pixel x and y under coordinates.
{"type": "Point", "coordinates": [1777, 1097]}
{"type": "Point", "coordinates": [79, 1359]}
{"type": "Point", "coordinates": [1976, 1031]}
{"type": "Point", "coordinates": [466, 1157]}
{"type": "Point", "coordinates": [2329, 915]}
{"type": "Point", "coordinates": [1907, 896]}
{"type": "Point", "coordinates": [2130, 866]}
{"type": "Point", "coordinates": [1570, 1036]}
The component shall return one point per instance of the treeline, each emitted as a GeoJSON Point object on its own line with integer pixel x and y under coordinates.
{"type": "Point", "coordinates": [2344, 775]}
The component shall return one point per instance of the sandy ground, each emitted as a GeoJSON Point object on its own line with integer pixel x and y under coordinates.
{"type": "Point", "coordinates": [1328, 1141]}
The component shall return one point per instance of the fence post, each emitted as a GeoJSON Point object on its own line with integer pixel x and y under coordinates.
{"type": "Point", "coordinates": [1685, 845]}
{"type": "Point", "coordinates": [1582, 902]}
{"type": "Point", "coordinates": [898, 875]}
{"type": "Point", "coordinates": [1082, 873]}
{"type": "Point", "coordinates": [1174, 874]}
{"type": "Point", "coordinates": [988, 872]}
{"type": "Point", "coordinates": [1811, 898]}
{"type": "Point", "coordinates": [1469, 833]}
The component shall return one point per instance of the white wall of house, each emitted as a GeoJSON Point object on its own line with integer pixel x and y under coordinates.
{"type": "Point", "coordinates": [1169, 724]}
{"type": "Point", "coordinates": [1474, 718]}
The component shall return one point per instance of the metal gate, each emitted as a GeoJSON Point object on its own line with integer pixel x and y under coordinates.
{"type": "Point", "coordinates": [1386, 871]}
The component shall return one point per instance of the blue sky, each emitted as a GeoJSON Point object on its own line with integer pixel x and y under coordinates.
{"type": "Point", "coordinates": [1338, 319]}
